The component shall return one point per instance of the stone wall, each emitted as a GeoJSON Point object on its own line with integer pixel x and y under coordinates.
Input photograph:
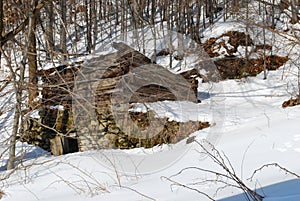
{"type": "Point", "coordinates": [72, 118]}
{"type": "Point", "coordinates": [54, 111]}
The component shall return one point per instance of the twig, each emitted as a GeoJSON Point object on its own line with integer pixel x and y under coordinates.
{"type": "Point", "coordinates": [146, 196]}
{"type": "Point", "coordinates": [273, 165]}
{"type": "Point", "coordinates": [228, 178]}
{"type": "Point", "coordinates": [185, 186]}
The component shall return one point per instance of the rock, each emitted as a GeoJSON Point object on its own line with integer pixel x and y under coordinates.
{"type": "Point", "coordinates": [190, 140]}
{"type": "Point", "coordinates": [291, 102]}
{"type": "Point", "coordinates": [56, 146]}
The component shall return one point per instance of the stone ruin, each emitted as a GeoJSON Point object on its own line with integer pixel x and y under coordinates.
{"type": "Point", "coordinates": [83, 107]}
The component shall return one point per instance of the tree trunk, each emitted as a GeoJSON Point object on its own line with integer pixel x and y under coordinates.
{"type": "Point", "coordinates": [294, 11]}
{"type": "Point", "coordinates": [236, 6]}
{"type": "Point", "coordinates": [273, 14]}
{"type": "Point", "coordinates": [117, 13]}
{"type": "Point", "coordinates": [49, 30]}
{"type": "Point", "coordinates": [1, 25]}
{"type": "Point", "coordinates": [32, 61]}
{"type": "Point", "coordinates": [89, 27]}
{"type": "Point", "coordinates": [18, 87]}
{"type": "Point", "coordinates": [180, 32]}
{"type": "Point", "coordinates": [299, 84]}
{"type": "Point", "coordinates": [198, 22]}
{"type": "Point", "coordinates": [13, 138]}
{"type": "Point", "coordinates": [122, 19]}
{"type": "Point", "coordinates": [170, 27]}
{"type": "Point", "coordinates": [93, 24]}
{"type": "Point", "coordinates": [247, 34]}
{"type": "Point", "coordinates": [264, 37]}
{"type": "Point", "coordinates": [63, 26]}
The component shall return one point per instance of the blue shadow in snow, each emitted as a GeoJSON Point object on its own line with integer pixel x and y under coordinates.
{"type": "Point", "coordinates": [205, 95]}
{"type": "Point", "coordinates": [25, 155]}
{"type": "Point", "coordinates": [283, 191]}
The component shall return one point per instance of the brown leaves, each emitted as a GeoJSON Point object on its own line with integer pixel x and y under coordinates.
{"type": "Point", "coordinates": [291, 102]}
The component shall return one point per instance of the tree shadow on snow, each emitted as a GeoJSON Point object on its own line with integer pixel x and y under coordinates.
{"type": "Point", "coordinates": [26, 154]}
{"type": "Point", "coordinates": [283, 191]}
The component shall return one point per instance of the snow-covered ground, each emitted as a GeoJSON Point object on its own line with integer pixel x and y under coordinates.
{"type": "Point", "coordinates": [255, 131]}
{"type": "Point", "coordinates": [249, 126]}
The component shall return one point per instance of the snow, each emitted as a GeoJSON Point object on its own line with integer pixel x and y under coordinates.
{"type": "Point", "coordinates": [7, 99]}
{"type": "Point", "coordinates": [248, 125]}
{"type": "Point", "coordinates": [33, 114]}
{"type": "Point", "coordinates": [58, 107]}
{"type": "Point", "coordinates": [256, 131]}
{"type": "Point", "coordinates": [221, 27]}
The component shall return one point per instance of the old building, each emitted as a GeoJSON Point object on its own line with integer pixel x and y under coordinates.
{"type": "Point", "coordinates": [86, 105]}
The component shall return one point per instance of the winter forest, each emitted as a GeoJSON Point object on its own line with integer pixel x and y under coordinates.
{"type": "Point", "coordinates": [150, 100]}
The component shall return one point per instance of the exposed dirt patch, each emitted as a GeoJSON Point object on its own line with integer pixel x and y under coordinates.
{"type": "Point", "coordinates": [291, 102]}
{"type": "Point", "coordinates": [163, 52]}
{"type": "Point", "coordinates": [209, 47]}
{"type": "Point", "coordinates": [232, 67]}
{"type": "Point", "coordinates": [237, 38]}
{"type": "Point", "coordinates": [236, 68]}
{"type": "Point", "coordinates": [229, 42]}
{"type": "Point", "coordinates": [172, 131]}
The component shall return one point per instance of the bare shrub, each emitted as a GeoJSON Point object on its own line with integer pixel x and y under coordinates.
{"type": "Point", "coordinates": [226, 177]}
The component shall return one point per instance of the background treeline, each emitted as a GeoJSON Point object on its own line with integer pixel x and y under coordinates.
{"type": "Point", "coordinates": [58, 26]}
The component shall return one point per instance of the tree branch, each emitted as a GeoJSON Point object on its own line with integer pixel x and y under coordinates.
{"type": "Point", "coordinates": [10, 35]}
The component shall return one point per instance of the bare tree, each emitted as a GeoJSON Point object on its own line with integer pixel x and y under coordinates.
{"type": "Point", "coordinates": [32, 58]}
{"type": "Point", "coordinates": [18, 81]}
{"type": "Point", "coordinates": [88, 26]}
{"type": "Point", "coordinates": [18, 75]}
{"type": "Point", "coordinates": [63, 27]}
{"type": "Point", "coordinates": [264, 41]}
{"type": "Point", "coordinates": [298, 84]}
{"type": "Point", "coordinates": [94, 21]}
{"type": "Point", "coordinates": [1, 25]}
{"type": "Point", "coordinates": [49, 35]}
{"type": "Point", "coordinates": [294, 8]}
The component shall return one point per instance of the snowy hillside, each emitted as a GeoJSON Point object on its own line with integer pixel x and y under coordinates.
{"type": "Point", "coordinates": [255, 139]}
{"type": "Point", "coordinates": [256, 131]}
